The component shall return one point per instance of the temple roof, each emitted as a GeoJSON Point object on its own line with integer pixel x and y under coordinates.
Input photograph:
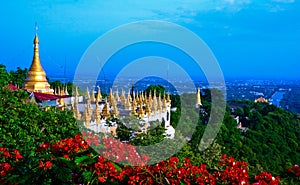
{"type": "Point", "coordinates": [261, 100]}
{"type": "Point", "coordinates": [44, 97]}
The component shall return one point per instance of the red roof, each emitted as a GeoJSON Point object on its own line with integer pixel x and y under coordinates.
{"type": "Point", "coordinates": [11, 87]}
{"type": "Point", "coordinates": [43, 96]}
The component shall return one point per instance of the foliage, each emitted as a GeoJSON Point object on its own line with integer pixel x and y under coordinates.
{"type": "Point", "coordinates": [20, 118]}
{"type": "Point", "coordinates": [18, 77]}
{"type": "Point", "coordinates": [270, 142]}
{"type": "Point", "coordinates": [4, 76]}
{"type": "Point", "coordinates": [159, 89]}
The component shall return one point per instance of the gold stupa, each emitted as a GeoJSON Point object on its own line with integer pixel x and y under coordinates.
{"type": "Point", "coordinates": [198, 97]}
{"type": "Point", "coordinates": [36, 79]}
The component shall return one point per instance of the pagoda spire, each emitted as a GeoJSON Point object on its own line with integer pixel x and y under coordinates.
{"type": "Point", "coordinates": [36, 63]}
{"type": "Point", "coordinates": [198, 98]}
{"type": "Point", "coordinates": [36, 79]}
{"type": "Point", "coordinates": [99, 97]}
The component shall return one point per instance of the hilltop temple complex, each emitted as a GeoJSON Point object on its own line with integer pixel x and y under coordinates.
{"type": "Point", "coordinates": [94, 110]}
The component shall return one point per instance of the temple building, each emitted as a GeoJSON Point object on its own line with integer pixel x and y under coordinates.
{"type": "Point", "coordinates": [36, 78]}
{"type": "Point", "coordinates": [36, 84]}
{"type": "Point", "coordinates": [261, 100]}
{"type": "Point", "coordinates": [95, 112]}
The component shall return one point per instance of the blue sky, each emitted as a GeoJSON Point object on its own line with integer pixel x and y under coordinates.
{"type": "Point", "coordinates": [250, 39]}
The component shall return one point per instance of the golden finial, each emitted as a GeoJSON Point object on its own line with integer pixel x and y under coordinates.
{"type": "Point", "coordinates": [130, 98]}
{"type": "Point", "coordinates": [148, 110]}
{"type": "Point", "coordinates": [105, 111]}
{"type": "Point", "coordinates": [99, 97]}
{"type": "Point", "coordinates": [112, 101]}
{"type": "Point", "coordinates": [141, 111]}
{"type": "Point", "coordinates": [127, 104]}
{"type": "Point", "coordinates": [137, 99]}
{"type": "Point", "coordinates": [86, 118]}
{"type": "Point", "coordinates": [154, 105]}
{"type": "Point", "coordinates": [97, 114]}
{"type": "Point", "coordinates": [154, 95]}
{"type": "Point", "coordinates": [198, 97]}
{"type": "Point", "coordinates": [142, 94]}
{"type": "Point", "coordinates": [115, 111]}
{"type": "Point", "coordinates": [134, 104]}
{"type": "Point", "coordinates": [76, 112]}
{"type": "Point", "coordinates": [117, 97]}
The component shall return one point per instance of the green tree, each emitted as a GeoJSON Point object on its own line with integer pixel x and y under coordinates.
{"type": "Point", "coordinates": [18, 77]}
{"type": "Point", "coordinates": [158, 88]}
{"type": "Point", "coordinates": [4, 76]}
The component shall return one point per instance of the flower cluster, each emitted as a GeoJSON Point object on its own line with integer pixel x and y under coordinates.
{"type": "Point", "coordinates": [65, 147]}
{"type": "Point", "coordinates": [7, 158]}
{"type": "Point", "coordinates": [294, 169]}
{"type": "Point", "coordinates": [84, 165]}
{"type": "Point", "coordinates": [265, 178]}
{"type": "Point", "coordinates": [135, 171]}
{"type": "Point", "coordinates": [68, 146]}
{"type": "Point", "coordinates": [106, 170]}
{"type": "Point", "coordinates": [45, 165]}
{"type": "Point", "coordinates": [122, 152]}
{"type": "Point", "coordinates": [14, 155]}
{"type": "Point", "coordinates": [235, 172]}
{"type": "Point", "coordinates": [170, 171]}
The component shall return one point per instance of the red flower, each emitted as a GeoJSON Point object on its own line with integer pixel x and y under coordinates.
{"type": "Point", "coordinates": [6, 154]}
{"type": "Point", "coordinates": [223, 156]}
{"type": "Point", "coordinates": [48, 165]}
{"type": "Point", "coordinates": [18, 156]}
{"type": "Point", "coordinates": [102, 179]}
{"type": "Point", "coordinates": [41, 165]}
{"type": "Point", "coordinates": [6, 166]}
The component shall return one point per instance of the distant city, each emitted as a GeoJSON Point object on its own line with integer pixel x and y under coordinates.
{"type": "Point", "coordinates": [281, 93]}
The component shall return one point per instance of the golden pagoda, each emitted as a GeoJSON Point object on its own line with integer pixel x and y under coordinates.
{"type": "Point", "coordinates": [198, 97]}
{"type": "Point", "coordinates": [36, 79]}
